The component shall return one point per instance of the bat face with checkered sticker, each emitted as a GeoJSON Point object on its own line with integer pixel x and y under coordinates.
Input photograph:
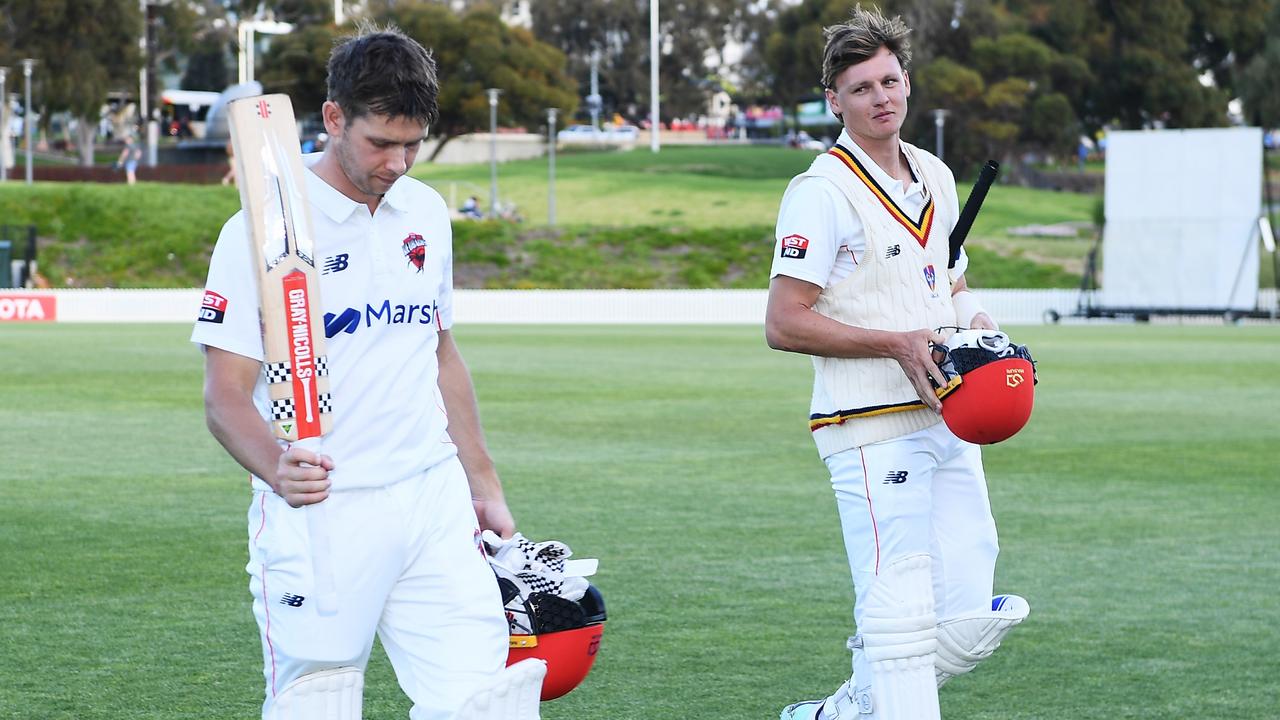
{"type": "Point", "coordinates": [273, 195]}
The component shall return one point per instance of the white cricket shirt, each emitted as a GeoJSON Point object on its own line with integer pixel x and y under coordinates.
{"type": "Point", "coordinates": [386, 291]}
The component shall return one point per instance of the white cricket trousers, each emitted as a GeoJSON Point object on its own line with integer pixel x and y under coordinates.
{"type": "Point", "coordinates": [920, 493]}
{"type": "Point", "coordinates": [408, 565]}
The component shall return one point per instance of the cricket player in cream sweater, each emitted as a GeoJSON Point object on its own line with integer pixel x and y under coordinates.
{"type": "Point", "coordinates": [860, 282]}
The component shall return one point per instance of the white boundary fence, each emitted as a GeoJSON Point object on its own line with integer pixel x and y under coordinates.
{"type": "Point", "coordinates": [602, 307]}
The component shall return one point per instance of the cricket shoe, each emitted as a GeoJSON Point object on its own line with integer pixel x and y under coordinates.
{"type": "Point", "coordinates": [837, 707]}
{"type": "Point", "coordinates": [803, 710]}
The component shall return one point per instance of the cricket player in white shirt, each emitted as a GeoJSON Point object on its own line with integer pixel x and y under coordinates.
{"type": "Point", "coordinates": [860, 282]}
{"type": "Point", "coordinates": [404, 474]}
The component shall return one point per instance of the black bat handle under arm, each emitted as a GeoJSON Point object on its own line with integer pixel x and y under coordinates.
{"type": "Point", "coordinates": [971, 207]}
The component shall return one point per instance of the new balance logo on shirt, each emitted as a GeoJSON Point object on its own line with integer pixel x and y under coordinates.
{"type": "Point", "coordinates": [893, 251]}
{"type": "Point", "coordinates": [292, 600]}
{"type": "Point", "coordinates": [895, 477]}
{"type": "Point", "coordinates": [337, 263]}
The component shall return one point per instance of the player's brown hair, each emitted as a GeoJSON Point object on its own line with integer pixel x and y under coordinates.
{"type": "Point", "coordinates": [861, 37]}
{"type": "Point", "coordinates": [384, 72]}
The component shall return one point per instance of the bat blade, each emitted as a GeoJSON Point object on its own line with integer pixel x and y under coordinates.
{"type": "Point", "coordinates": [269, 171]}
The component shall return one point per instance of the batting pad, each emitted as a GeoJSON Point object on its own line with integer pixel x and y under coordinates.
{"type": "Point", "coordinates": [894, 650]}
{"type": "Point", "coordinates": [514, 694]}
{"type": "Point", "coordinates": [965, 641]}
{"type": "Point", "coordinates": [327, 695]}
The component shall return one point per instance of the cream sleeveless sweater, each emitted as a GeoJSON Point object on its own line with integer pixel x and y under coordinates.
{"type": "Point", "coordinates": [901, 283]}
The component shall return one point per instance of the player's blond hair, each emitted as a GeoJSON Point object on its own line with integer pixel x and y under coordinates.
{"type": "Point", "coordinates": [861, 37]}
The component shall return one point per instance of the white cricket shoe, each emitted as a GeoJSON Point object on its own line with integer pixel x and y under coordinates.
{"type": "Point", "coordinates": [803, 710]}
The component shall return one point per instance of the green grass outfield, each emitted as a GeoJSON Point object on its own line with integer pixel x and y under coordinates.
{"type": "Point", "coordinates": [1139, 513]}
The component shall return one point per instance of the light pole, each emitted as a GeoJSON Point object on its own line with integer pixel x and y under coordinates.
{"type": "Point", "coordinates": [245, 32]}
{"type": "Point", "coordinates": [144, 89]}
{"type": "Point", "coordinates": [27, 125]}
{"type": "Point", "coordinates": [939, 121]}
{"type": "Point", "coordinates": [551, 167]}
{"type": "Point", "coordinates": [4, 127]}
{"type": "Point", "coordinates": [593, 100]}
{"type": "Point", "coordinates": [653, 75]}
{"type": "Point", "coordinates": [493, 151]}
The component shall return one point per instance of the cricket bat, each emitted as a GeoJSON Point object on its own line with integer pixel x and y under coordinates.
{"type": "Point", "coordinates": [971, 208]}
{"type": "Point", "coordinates": [273, 194]}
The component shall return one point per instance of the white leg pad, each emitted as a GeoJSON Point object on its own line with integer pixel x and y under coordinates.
{"type": "Point", "coordinates": [965, 641]}
{"type": "Point", "coordinates": [327, 695]}
{"type": "Point", "coordinates": [513, 695]}
{"type": "Point", "coordinates": [893, 675]}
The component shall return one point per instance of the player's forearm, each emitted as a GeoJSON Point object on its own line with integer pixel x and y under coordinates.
{"type": "Point", "coordinates": [465, 430]}
{"type": "Point", "coordinates": [242, 433]}
{"type": "Point", "coordinates": [801, 330]}
{"type": "Point", "coordinates": [473, 453]}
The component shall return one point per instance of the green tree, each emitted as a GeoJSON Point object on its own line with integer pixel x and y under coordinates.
{"type": "Point", "coordinates": [694, 37]}
{"type": "Point", "coordinates": [794, 51]}
{"type": "Point", "coordinates": [207, 67]}
{"type": "Point", "coordinates": [478, 51]}
{"type": "Point", "coordinates": [1260, 80]}
{"type": "Point", "coordinates": [615, 32]}
{"type": "Point", "coordinates": [296, 64]}
{"type": "Point", "coordinates": [298, 12]}
{"type": "Point", "coordinates": [474, 51]}
{"type": "Point", "coordinates": [1225, 35]}
{"type": "Point", "coordinates": [961, 91]}
{"type": "Point", "coordinates": [84, 47]}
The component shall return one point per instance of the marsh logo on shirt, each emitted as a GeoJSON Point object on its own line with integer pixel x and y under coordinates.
{"type": "Point", "coordinates": [415, 249]}
{"type": "Point", "coordinates": [384, 314]}
{"type": "Point", "coordinates": [794, 246]}
{"type": "Point", "coordinates": [213, 308]}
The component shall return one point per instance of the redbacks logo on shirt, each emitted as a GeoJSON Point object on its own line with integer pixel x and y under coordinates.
{"type": "Point", "coordinates": [931, 278]}
{"type": "Point", "coordinates": [415, 249]}
{"type": "Point", "coordinates": [213, 308]}
{"type": "Point", "coordinates": [794, 246]}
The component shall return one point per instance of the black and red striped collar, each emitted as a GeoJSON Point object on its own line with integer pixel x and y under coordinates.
{"type": "Point", "coordinates": [918, 228]}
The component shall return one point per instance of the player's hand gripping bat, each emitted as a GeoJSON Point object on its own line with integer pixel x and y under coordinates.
{"type": "Point", "coordinates": [269, 170]}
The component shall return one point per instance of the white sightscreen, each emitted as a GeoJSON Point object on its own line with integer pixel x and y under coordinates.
{"type": "Point", "coordinates": [1182, 211]}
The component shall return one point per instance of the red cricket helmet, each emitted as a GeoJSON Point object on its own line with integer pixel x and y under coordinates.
{"type": "Point", "coordinates": [566, 635]}
{"type": "Point", "coordinates": [992, 386]}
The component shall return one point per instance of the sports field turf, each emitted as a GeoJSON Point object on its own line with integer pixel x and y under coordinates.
{"type": "Point", "coordinates": [1139, 515]}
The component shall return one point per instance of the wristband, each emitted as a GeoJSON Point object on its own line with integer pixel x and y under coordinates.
{"type": "Point", "coordinates": [967, 307]}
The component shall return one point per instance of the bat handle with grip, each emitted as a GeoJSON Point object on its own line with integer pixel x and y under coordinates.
{"type": "Point", "coordinates": [986, 177]}
{"type": "Point", "coordinates": [326, 591]}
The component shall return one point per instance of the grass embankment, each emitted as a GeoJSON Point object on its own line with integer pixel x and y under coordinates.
{"type": "Point", "coordinates": [685, 217]}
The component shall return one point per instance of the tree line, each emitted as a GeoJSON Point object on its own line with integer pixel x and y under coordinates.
{"type": "Point", "coordinates": [1014, 76]}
